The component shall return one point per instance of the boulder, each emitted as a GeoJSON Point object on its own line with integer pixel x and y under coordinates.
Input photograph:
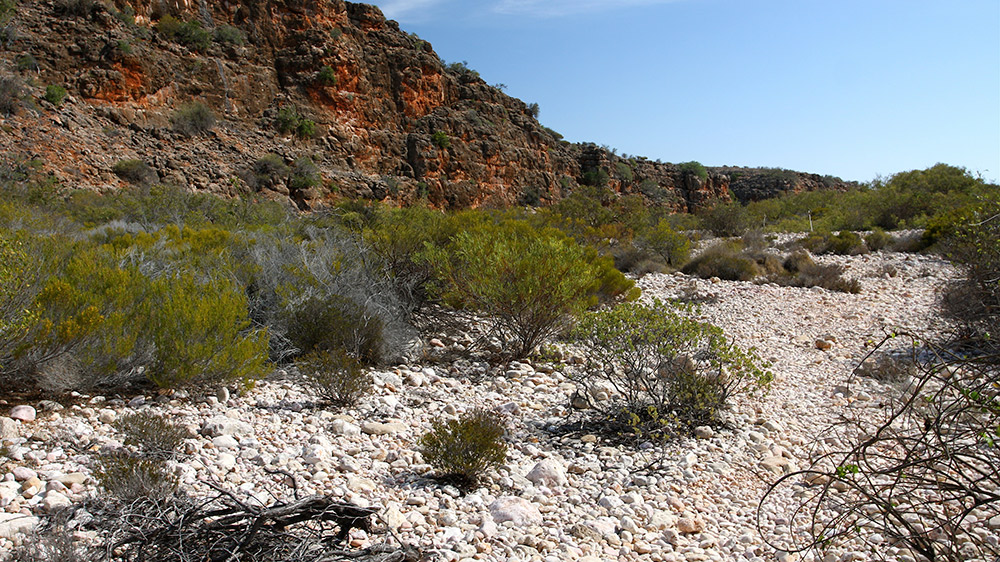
{"type": "Point", "coordinates": [23, 413]}
{"type": "Point", "coordinates": [548, 472]}
{"type": "Point", "coordinates": [516, 510]}
{"type": "Point", "coordinates": [14, 523]}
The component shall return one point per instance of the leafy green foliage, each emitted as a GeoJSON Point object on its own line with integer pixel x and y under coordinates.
{"type": "Point", "coordinates": [666, 369]}
{"type": "Point", "coordinates": [878, 239]}
{"type": "Point", "coordinates": [844, 243]}
{"type": "Point", "coordinates": [290, 121]}
{"type": "Point", "coordinates": [334, 324]}
{"type": "Point", "coordinates": [189, 33]}
{"type": "Point", "coordinates": [528, 283]}
{"type": "Point", "coordinates": [18, 285]}
{"type": "Point", "coordinates": [327, 76]}
{"type": "Point", "coordinates": [304, 174]}
{"type": "Point", "coordinates": [974, 244]}
{"type": "Point", "coordinates": [725, 261]}
{"type": "Point", "coordinates": [228, 34]}
{"type": "Point", "coordinates": [694, 168]}
{"type": "Point", "coordinates": [726, 219]}
{"type": "Point", "coordinates": [672, 246]}
{"type": "Point", "coordinates": [201, 333]}
{"type": "Point", "coordinates": [55, 94]}
{"type": "Point", "coordinates": [440, 138]}
{"type": "Point", "coordinates": [336, 376]}
{"type": "Point", "coordinates": [193, 119]}
{"type": "Point", "coordinates": [463, 449]}
{"type": "Point", "coordinates": [134, 171]}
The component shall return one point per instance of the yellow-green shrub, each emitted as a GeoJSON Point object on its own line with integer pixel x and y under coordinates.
{"type": "Point", "coordinates": [463, 449]}
{"type": "Point", "coordinates": [527, 283]}
{"type": "Point", "coordinates": [18, 283]}
{"type": "Point", "coordinates": [665, 367]}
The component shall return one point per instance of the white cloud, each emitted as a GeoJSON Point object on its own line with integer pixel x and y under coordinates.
{"type": "Point", "coordinates": [407, 10]}
{"type": "Point", "coordinates": [556, 8]}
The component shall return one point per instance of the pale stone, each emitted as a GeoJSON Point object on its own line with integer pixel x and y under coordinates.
{"type": "Point", "coordinates": [704, 432]}
{"type": "Point", "coordinates": [107, 416]}
{"type": "Point", "coordinates": [516, 510]}
{"type": "Point", "coordinates": [23, 413]}
{"type": "Point", "coordinates": [375, 428]}
{"type": "Point", "coordinates": [548, 472]}
{"type": "Point", "coordinates": [216, 427]}
{"type": "Point", "coordinates": [225, 442]}
{"type": "Point", "coordinates": [344, 427]}
{"type": "Point", "coordinates": [688, 525]}
{"type": "Point", "coordinates": [8, 428]}
{"type": "Point", "coordinates": [54, 500]}
{"type": "Point", "coordinates": [15, 523]}
{"type": "Point", "coordinates": [226, 461]}
{"type": "Point", "coordinates": [22, 473]}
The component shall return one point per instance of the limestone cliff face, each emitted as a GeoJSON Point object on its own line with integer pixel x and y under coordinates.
{"type": "Point", "coordinates": [394, 123]}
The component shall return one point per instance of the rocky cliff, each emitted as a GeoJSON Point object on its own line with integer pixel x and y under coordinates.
{"type": "Point", "coordinates": [377, 111]}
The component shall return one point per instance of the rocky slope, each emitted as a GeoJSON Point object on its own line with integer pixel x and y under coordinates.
{"type": "Point", "coordinates": [392, 121]}
{"type": "Point", "coordinates": [559, 496]}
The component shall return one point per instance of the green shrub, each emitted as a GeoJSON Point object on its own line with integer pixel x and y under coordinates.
{"type": "Point", "coordinates": [230, 35]}
{"type": "Point", "coordinates": [723, 260]}
{"type": "Point", "coordinates": [11, 95]}
{"type": "Point", "coordinates": [134, 171]}
{"type": "Point", "coordinates": [333, 324]}
{"type": "Point", "coordinates": [193, 119]}
{"type": "Point", "coordinates": [327, 76]}
{"type": "Point", "coordinates": [19, 282]}
{"type": "Point", "coordinates": [304, 174]}
{"type": "Point", "coordinates": [267, 172]}
{"type": "Point", "coordinates": [189, 33]}
{"type": "Point", "coordinates": [878, 239]}
{"type": "Point", "coordinates": [726, 219]}
{"type": "Point", "coordinates": [201, 334]}
{"type": "Point", "coordinates": [672, 246]}
{"type": "Point", "coordinates": [666, 369]}
{"type": "Point", "coordinates": [811, 274]}
{"type": "Point", "coordinates": [527, 283]}
{"type": "Point", "coordinates": [533, 110]}
{"type": "Point", "coordinates": [150, 434]}
{"type": "Point", "coordinates": [974, 302]}
{"type": "Point", "coordinates": [336, 376]}
{"type": "Point", "coordinates": [26, 63]}
{"type": "Point", "coordinates": [440, 138]}
{"type": "Point", "coordinates": [130, 478]}
{"type": "Point", "coordinates": [55, 94]}
{"type": "Point", "coordinates": [289, 121]}
{"type": "Point", "coordinates": [595, 178]}
{"type": "Point", "coordinates": [694, 168]}
{"type": "Point", "coordinates": [844, 243]}
{"type": "Point", "coordinates": [463, 449]}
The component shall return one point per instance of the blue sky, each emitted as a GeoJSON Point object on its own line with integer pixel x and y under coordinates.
{"type": "Point", "coordinates": [852, 88]}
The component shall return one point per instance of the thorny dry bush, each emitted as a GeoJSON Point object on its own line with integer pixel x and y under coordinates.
{"type": "Point", "coordinates": [220, 528]}
{"type": "Point", "coordinates": [923, 476]}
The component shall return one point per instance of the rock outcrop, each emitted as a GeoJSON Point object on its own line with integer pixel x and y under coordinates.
{"type": "Point", "coordinates": [388, 120]}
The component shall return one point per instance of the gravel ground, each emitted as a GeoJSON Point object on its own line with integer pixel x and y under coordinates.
{"type": "Point", "coordinates": [559, 497]}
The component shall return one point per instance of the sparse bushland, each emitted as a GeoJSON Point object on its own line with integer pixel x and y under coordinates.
{"type": "Point", "coordinates": [843, 243]}
{"type": "Point", "coordinates": [528, 283]}
{"type": "Point", "coordinates": [973, 243]}
{"type": "Point", "coordinates": [672, 246]}
{"type": "Point", "coordinates": [193, 119]}
{"type": "Point", "coordinates": [462, 450]}
{"type": "Point", "coordinates": [666, 371]}
{"type": "Point", "coordinates": [903, 201]}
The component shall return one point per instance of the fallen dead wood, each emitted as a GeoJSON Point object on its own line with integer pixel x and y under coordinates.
{"type": "Point", "coordinates": [226, 528]}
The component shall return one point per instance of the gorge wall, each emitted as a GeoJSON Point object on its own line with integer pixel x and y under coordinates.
{"type": "Point", "coordinates": [392, 122]}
